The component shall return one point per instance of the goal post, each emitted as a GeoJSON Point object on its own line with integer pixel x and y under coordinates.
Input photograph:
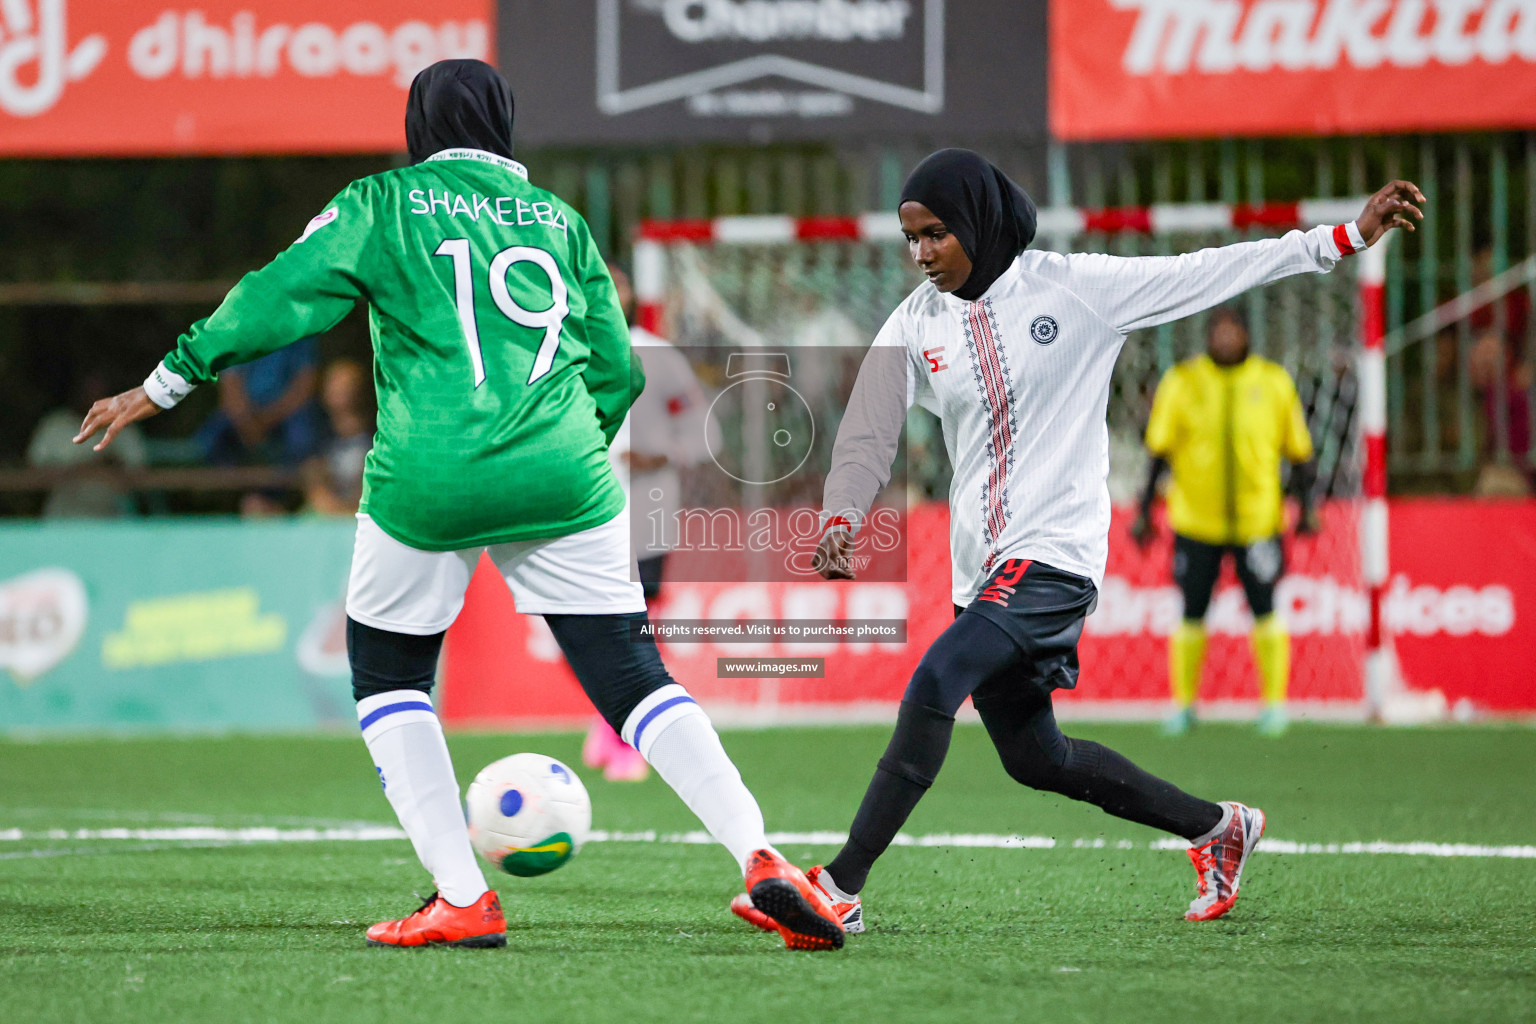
{"type": "Point", "coordinates": [757, 280]}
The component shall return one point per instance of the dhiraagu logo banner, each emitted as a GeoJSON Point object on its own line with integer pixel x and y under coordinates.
{"type": "Point", "coordinates": [174, 624]}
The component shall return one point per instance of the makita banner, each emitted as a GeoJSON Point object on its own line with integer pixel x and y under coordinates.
{"type": "Point", "coordinates": [131, 77]}
{"type": "Point", "coordinates": [649, 71]}
{"type": "Point", "coordinates": [1203, 68]}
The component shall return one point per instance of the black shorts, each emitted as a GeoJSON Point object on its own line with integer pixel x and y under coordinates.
{"type": "Point", "coordinates": [1196, 565]}
{"type": "Point", "coordinates": [1042, 609]}
{"type": "Point", "coordinates": [650, 575]}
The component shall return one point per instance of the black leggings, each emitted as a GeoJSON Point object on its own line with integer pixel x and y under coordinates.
{"type": "Point", "coordinates": [975, 658]}
{"type": "Point", "coordinates": [616, 670]}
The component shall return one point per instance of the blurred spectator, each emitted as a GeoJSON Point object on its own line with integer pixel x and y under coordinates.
{"type": "Point", "coordinates": [266, 408]}
{"type": "Point", "coordinates": [89, 490]}
{"type": "Point", "coordinates": [333, 476]}
{"type": "Point", "coordinates": [1501, 371]}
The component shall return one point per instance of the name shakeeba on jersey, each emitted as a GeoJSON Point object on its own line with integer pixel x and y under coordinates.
{"type": "Point", "coordinates": [1020, 381]}
{"type": "Point", "coordinates": [501, 358]}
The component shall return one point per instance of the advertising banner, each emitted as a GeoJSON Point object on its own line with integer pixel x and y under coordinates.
{"type": "Point", "coordinates": [1462, 584]}
{"type": "Point", "coordinates": [174, 625]}
{"type": "Point", "coordinates": [1124, 69]}
{"type": "Point", "coordinates": [1461, 601]}
{"type": "Point", "coordinates": [164, 625]}
{"type": "Point", "coordinates": [650, 71]}
{"type": "Point", "coordinates": [500, 667]}
{"type": "Point", "coordinates": [152, 77]}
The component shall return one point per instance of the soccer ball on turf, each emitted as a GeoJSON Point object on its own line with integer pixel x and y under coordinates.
{"type": "Point", "coordinates": [528, 814]}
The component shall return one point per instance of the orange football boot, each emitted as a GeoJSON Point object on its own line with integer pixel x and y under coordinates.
{"type": "Point", "coordinates": [741, 906]}
{"type": "Point", "coordinates": [440, 923]}
{"type": "Point", "coordinates": [781, 892]}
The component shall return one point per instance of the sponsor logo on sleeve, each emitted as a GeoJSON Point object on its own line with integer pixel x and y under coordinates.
{"type": "Point", "coordinates": [317, 222]}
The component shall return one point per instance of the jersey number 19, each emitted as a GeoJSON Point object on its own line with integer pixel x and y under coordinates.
{"type": "Point", "coordinates": [551, 319]}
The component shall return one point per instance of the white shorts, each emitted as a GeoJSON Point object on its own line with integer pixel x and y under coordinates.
{"type": "Point", "coordinates": [406, 590]}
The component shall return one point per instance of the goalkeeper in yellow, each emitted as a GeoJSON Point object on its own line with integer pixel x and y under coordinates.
{"type": "Point", "coordinates": [1222, 422]}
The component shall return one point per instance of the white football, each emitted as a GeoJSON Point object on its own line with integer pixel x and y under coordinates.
{"type": "Point", "coordinates": [528, 814]}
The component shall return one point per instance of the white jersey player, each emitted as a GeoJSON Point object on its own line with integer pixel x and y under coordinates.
{"type": "Point", "coordinates": [663, 435]}
{"type": "Point", "coordinates": [1014, 350]}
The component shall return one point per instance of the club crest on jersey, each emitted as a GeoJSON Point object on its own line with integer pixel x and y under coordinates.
{"type": "Point", "coordinates": [935, 357]}
{"type": "Point", "coordinates": [1043, 329]}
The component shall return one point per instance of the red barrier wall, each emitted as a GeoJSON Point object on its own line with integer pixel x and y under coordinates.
{"type": "Point", "coordinates": [1461, 603]}
{"type": "Point", "coordinates": [1462, 573]}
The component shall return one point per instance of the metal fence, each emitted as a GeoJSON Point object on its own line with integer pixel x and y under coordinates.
{"type": "Point", "coordinates": [1459, 400]}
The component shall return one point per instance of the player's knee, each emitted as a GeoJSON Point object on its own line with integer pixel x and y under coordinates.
{"type": "Point", "coordinates": [926, 687]}
{"type": "Point", "coordinates": [616, 670]}
{"type": "Point", "coordinates": [1029, 766]}
{"type": "Point", "coordinates": [965, 656]}
{"type": "Point", "coordinates": [1261, 602]}
{"type": "Point", "coordinates": [918, 744]}
{"type": "Point", "coordinates": [383, 661]}
{"type": "Point", "coordinates": [1039, 758]}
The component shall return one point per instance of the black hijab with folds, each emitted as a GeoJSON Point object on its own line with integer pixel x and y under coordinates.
{"type": "Point", "coordinates": [458, 104]}
{"type": "Point", "coordinates": [991, 216]}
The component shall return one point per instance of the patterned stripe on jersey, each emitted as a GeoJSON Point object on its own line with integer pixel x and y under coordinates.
{"type": "Point", "coordinates": [990, 367]}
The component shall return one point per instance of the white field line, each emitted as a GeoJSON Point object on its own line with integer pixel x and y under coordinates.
{"type": "Point", "coordinates": [371, 833]}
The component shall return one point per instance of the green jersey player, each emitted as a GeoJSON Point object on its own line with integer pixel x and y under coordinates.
{"type": "Point", "coordinates": [503, 371]}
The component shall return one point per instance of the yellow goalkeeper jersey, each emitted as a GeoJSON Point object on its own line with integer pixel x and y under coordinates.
{"type": "Point", "coordinates": [1223, 431]}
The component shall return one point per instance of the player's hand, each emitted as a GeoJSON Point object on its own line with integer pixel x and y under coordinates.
{"type": "Point", "coordinates": [1142, 531]}
{"type": "Point", "coordinates": [1309, 523]}
{"type": "Point", "coordinates": [114, 414]}
{"type": "Point", "coordinates": [832, 556]}
{"type": "Point", "coordinates": [1392, 207]}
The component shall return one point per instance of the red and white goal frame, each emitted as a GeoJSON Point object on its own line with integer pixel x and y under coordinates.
{"type": "Point", "coordinates": [1380, 679]}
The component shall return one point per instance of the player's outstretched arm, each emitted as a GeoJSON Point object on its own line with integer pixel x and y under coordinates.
{"type": "Point", "coordinates": [1139, 292]}
{"type": "Point", "coordinates": [304, 291]}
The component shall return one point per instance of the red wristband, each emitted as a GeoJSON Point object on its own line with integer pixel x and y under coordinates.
{"type": "Point", "coordinates": [1341, 239]}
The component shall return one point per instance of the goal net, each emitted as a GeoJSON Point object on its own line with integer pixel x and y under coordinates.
{"type": "Point", "coordinates": [830, 284]}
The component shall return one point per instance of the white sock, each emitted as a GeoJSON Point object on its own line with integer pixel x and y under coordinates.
{"type": "Point", "coordinates": [1227, 811]}
{"type": "Point", "coordinates": [826, 882]}
{"type": "Point", "coordinates": [406, 741]}
{"type": "Point", "coordinates": [674, 734]}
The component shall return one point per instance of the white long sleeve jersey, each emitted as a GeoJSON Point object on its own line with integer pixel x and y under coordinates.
{"type": "Point", "coordinates": [1020, 382]}
{"type": "Point", "coordinates": [670, 417]}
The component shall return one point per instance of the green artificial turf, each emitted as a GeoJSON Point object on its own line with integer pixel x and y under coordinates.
{"type": "Point", "coordinates": [127, 931]}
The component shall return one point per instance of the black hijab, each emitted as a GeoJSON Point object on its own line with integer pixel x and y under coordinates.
{"type": "Point", "coordinates": [458, 104]}
{"type": "Point", "coordinates": [991, 216]}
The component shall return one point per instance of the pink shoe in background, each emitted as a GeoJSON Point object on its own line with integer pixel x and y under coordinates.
{"type": "Point", "coordinates": [626, 765]}
{"type": "Point", "coordinates": [605, 749]}
{"type": "Point", "coordinates": [601, 742]}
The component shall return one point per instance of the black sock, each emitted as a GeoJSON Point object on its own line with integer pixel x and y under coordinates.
{"type": "Point", "coordinates": [1108, 779]}
{"type": "Point", "coordinates": [912, 760]}
{"type": "Point", "coordinates": [1034, 752]}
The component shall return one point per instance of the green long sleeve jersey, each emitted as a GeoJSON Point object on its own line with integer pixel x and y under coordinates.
{"type": "Point", "coordinates": [501, 358]}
